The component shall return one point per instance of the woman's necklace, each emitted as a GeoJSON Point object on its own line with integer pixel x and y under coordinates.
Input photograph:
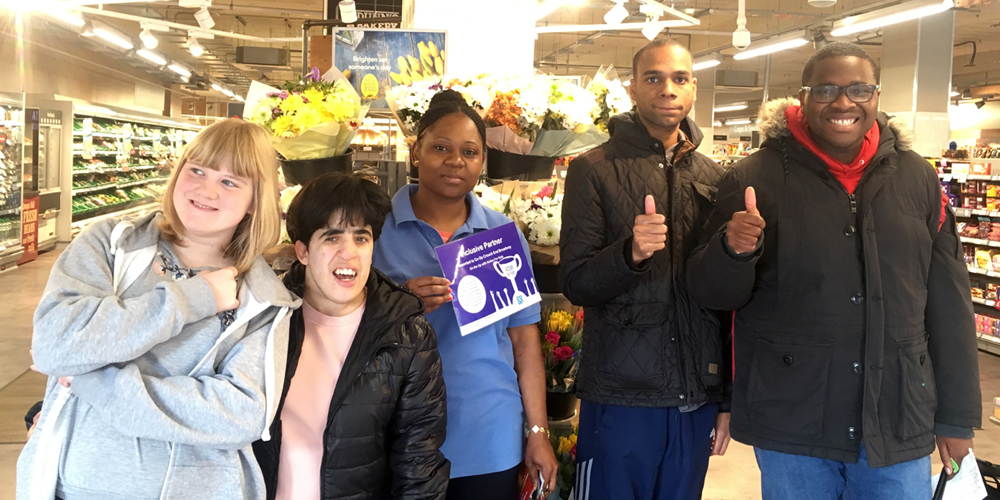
{"type": "Point", "coordinates": [168, 266]}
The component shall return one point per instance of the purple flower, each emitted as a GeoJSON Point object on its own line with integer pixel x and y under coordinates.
{"type": "Point", "coordinates": [313, 75]}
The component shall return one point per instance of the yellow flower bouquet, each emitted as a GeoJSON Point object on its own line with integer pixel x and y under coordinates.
{"type": "Point", "coordinates": [315, 117]}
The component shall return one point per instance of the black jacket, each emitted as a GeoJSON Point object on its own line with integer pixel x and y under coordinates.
{"type": "Point", "coordinates": [387, 416]}
{"type": "Point", "coordinates": [647, 343]}
{"type": "Point", "coordinates": [854, 318]}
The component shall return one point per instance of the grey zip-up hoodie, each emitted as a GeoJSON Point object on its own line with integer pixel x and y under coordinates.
{"type": "Point", "coordinates": [164, 403]}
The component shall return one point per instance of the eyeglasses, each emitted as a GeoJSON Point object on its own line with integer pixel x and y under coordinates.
{"type": "Point", "coordinates": [859, 92]}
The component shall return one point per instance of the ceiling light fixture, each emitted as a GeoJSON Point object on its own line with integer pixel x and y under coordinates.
{"type": "Point", "coordinates": [617, 14]}
{"type": "Point", "coordinates": [148, 40]}
{"type": "Point", "coordinates": [889, 15]}
{"type": "Point", "coordinates": [238, 98]}
{"type": "Point", "coordinates": [204, 18]}
{"type": "Point", "coordinates": [796, 39]}
{"type": "Point", "coordinates": [151, 56]}
{"type": "Point", "coordinates": [741, 121]}
{"type": "Point", "coordinates": [196, 49]}
{"type": "Point", "coordinates": [112, 36]}
{"type": "Point", "coordinates": [980, 104]}
{"type": "Point", "coordinates": [736, 106]}
{"type": "Point", "coordinates": [87, 30]}
{"type": "Point", "coordinates": [716, 124]}
{"type": "Point", "coordinates": [707, 62]}
{"type": "Point", "coordinates": [652, 29]}
{"type": "Point", "coordinates": [348, 11]}
{"type": "Point", "coordinates": [228, 92]}
{"type": "Point", "coordinates": [954, 94]}
{"type": "Point", "coordinates": [179, 69]}
{"type": "Point", "coordinates": [217, 87]}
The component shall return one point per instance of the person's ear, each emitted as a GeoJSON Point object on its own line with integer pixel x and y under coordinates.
{"type": "Point", "coordinates": [415, 153]}
{"type": "Point", "coordinates": [302, 253]}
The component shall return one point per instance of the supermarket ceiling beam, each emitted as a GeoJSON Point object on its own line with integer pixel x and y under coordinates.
{"type": "Point", "coordinates": [183, 27]}
{"type": "Point", "coordinates": [573, 28]}
{"type": "Point", "coordinates": [988, 90]}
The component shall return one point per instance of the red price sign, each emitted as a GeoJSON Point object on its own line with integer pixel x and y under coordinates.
{"type": "Point", "coordinates": [29, 230]}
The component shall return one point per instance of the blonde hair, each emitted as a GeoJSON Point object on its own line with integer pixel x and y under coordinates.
{"type": "Point", "coordinates": [247, 147]}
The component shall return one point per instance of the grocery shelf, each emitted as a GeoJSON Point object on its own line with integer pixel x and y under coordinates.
{"type": "Point", "coordinates": [984, 272]}
{"type": "Point", "coordinates": [113, 170]}
{"type": "Point", "coordinates": [97, 153]}
{"type": "Point", "coordinates": [989, 343]}
{"type": "Point", "coordinates": [94, 188]}
{"type": "Point", "coordinates": [10, 123]}
{"type": "Point", "coordinates": [102, 187]}
{"type": "Point", "coordinates": [10, 211]}
{"type": "Point", "coordinates": [146, 207]}
{"type": "Point", "coordinates": [981, 242]}
{"type": "Point", "coordinates": [79, 133]}
{"type": "Point", "coordinates": [988, 303]}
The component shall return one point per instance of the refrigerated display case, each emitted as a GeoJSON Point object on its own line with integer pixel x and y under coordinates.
{"type": "Point", "coordinates": [104, 161]}
{"type": "Point", "coordinates": [11, 178]}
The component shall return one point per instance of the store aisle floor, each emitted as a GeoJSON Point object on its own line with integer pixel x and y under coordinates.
{"type": "Point", "coordinates": [732, 477]}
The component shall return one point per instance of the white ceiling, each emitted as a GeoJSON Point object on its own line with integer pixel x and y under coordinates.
{"type": "Point", "coordinates": [566, 53]}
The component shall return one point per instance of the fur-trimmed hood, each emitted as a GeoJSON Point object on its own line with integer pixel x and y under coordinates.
{"type": "Point", "coordinates": [772, 123]}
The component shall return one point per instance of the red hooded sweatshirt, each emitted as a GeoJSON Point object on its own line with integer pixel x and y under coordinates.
{"type": "Point", "coordinates": [848, 174]}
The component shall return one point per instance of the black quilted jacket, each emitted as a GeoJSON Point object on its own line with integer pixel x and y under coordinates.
{"type": "Point", "coordinates": [646, 342]}
{"type": "Point", "coordinates": [387, 416]}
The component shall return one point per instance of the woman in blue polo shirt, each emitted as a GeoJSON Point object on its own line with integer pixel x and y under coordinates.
{"type": "Point", "coordinates": [494, 377]}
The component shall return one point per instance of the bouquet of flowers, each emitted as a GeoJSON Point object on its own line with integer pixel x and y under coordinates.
{"type": "Point", "coordinates": [560, 347]}
{"type": "Point", "coordinates": [541, 215]}
{"type": "Point", "coordinates": [409, 102]}
{"type": "Point", "coordinates": [314, 117]}
{"type": "Point", "coordinates": [493, 199]}
{"type": "Point", "coordinates": [564, 446]}
{"type": "Point", "coordinates": [540, 117]}
{"type": "Point", "coordinates": [612, 99]}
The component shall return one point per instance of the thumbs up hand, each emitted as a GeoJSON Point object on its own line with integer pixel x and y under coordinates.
{"type": "Point", "coordinates": [746, 227]}
{"type": "Point", "coordinates": [649, 233]}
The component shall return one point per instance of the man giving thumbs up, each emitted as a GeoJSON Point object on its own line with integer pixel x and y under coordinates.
{"type": "Point", "coordinates": [854, 335]}
{"type": "Point", "coordinates": [744, 230]}
{"type": "Point", "coordinates": [652, 378]}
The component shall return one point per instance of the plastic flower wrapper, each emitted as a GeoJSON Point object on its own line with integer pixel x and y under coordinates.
{"type": "Point", "coordinates": [316, 117]}
{"type": "Point", "coordinates": [611, 98]}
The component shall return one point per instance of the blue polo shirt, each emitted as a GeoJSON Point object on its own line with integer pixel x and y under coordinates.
{"type": "Point", "coordinates": [485, 414]}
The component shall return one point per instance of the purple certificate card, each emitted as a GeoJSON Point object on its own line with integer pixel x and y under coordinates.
{"type": "Point", "coordinates": [490, 277]}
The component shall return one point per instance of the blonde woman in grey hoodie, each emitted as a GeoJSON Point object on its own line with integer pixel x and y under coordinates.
{"type": "Point", "coordinates": [164, 338]}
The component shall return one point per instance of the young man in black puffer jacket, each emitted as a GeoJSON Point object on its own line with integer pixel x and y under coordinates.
{"type": "Point", "coordinates": [363, 412]}
{"type": "Point", "coordinates": [653, 371]}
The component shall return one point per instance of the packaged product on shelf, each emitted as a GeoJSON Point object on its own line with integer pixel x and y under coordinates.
{"type": "Point", "coordinates": [977, 292]}
{"type": "Point", "coordinates": [970, 254]}
{"type": "Point", "coordinates": [983, 258]}
{"type": "Point", "coordinates": [991, 291]}
{"type": "Point", "coordinates": [953, 200]}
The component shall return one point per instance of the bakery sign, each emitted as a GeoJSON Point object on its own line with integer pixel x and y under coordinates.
{"type": "Point", "coordinates": [371, 13]}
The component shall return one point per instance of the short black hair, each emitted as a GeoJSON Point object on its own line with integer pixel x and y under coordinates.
{"type": "Point", "coordinates": [445, 103]}
{"type": "Point", "coordinates": [355, 198]}
{"type": "Point", "coordinates": [838, 49]}
{"type": "Point", "coordinates": [666, 42]}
